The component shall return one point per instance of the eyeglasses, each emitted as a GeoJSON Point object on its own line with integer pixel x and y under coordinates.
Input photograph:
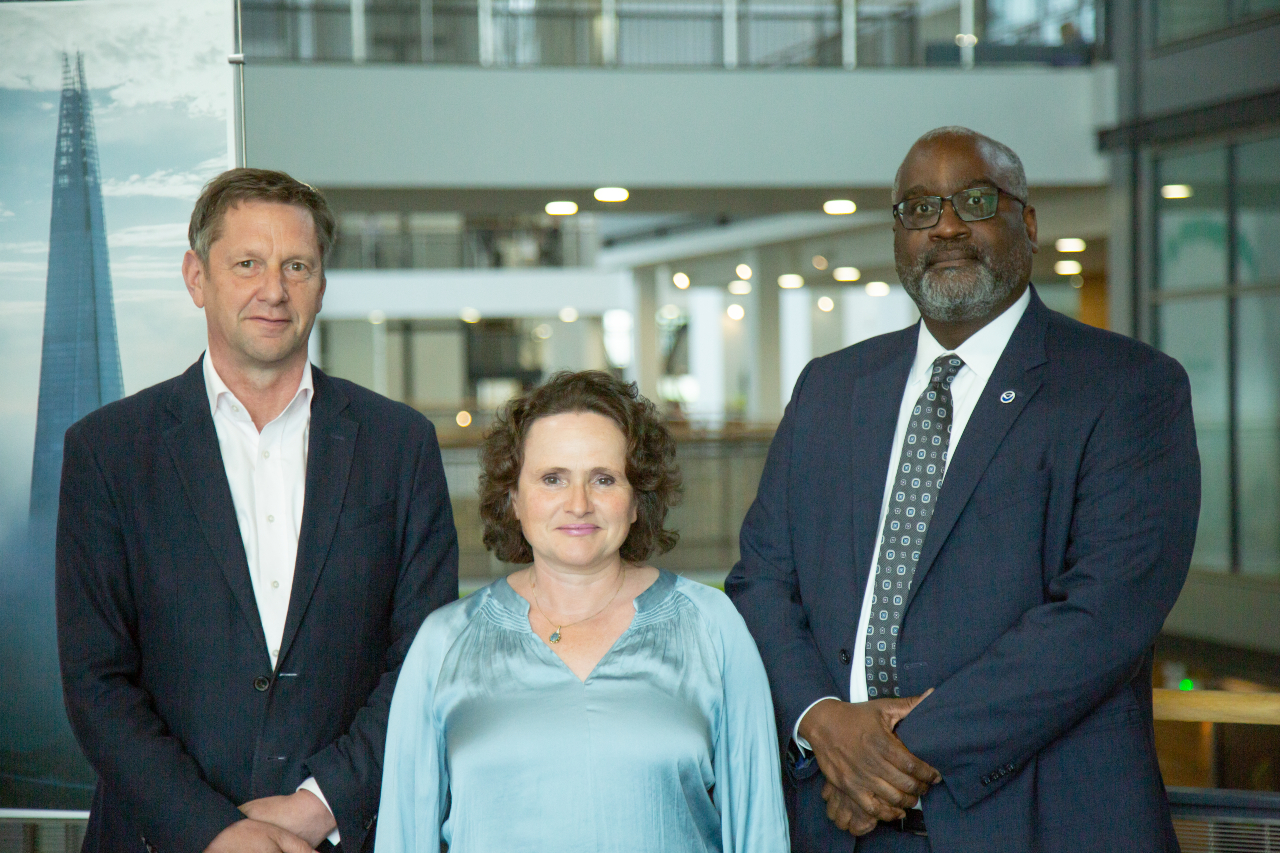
{"type": "Point", "coordinates": [970, 205]}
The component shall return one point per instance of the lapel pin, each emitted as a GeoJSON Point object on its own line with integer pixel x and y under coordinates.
{"type": "Point", "coordinates": [1007, 397]}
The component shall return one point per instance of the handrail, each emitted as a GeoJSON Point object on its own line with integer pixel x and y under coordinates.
{"type": "Point", "coordinates": [1216, 706]}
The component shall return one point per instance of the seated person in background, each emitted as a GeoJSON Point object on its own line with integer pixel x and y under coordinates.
{"type": "Point", "coordinates": [587, 701]}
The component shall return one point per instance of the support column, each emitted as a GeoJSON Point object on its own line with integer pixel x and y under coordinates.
{"type": "Point", "coordinates": [359, 37]}
{"type": "Point", "coordinates": [730, 33]}
{"type": "Point", "coordinates": [849, 34]}
{"type": "Point", "coordinates": [706, 354]}
{"type": "Point", "coordinates": [795, 337]}
{"type": "Point", "coordinates": [484, 11]}
{"type": "Point", "coordinates": [968, 30]}
{"type": "Point", "coordinates": [608, 32]}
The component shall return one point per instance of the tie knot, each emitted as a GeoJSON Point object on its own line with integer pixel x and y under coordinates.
{"type": "Point", "coordinates": [945, 368]}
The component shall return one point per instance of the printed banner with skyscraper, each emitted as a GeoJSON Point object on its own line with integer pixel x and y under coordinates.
{"type": "Point", "coordinates": [113, 114]}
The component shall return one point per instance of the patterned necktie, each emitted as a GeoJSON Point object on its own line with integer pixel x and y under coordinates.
{"type": "Point", "coordinates": [915, 491]}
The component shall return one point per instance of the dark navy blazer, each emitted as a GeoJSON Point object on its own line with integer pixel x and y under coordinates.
{"type": "Point", "coordinates": [168, 684]}
{"type": "Point", "coordinates": [1061, 539]}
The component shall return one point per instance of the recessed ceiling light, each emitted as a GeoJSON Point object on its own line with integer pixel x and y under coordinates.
{"type": "Point", "coordinates": [819, 262]}
{"type": "Point", "coordinates": [669, 312]}
{"type": "Point", "coordinates": [463, 418]}
{"type": "Point", "coordinates": [561, 208]}
{"type": "Point", "coordinates": [1067, 268]}
{"type": "Point", "coordinates": [542, 331]}
{"type": "Point", "coordinates": [790, 281]}
{"type": "Point", "coordinates": [1177, 191]}
{"type": "Point", "coordinates": [877, 288]}
{"type": "Point", "coordinates": [825, 303]}
{"type": "Point", "coordinates": [839, 207]}
{"type": "Point", "coordinates": [739, 288]}
{"type": "Point", "coordinates": [469, 315]}
{"type": "Point", "coordinates": [966, 40]}
{"type": "Point", "coordinates": [735, 312]}
{"type": "Point", "coordinates": [377, 317]}
{"type": "Point", "coordinates": [568, 314]}
{"type": "Point", "coordinates": [612, 194]}
{"type": "Point", "coordinates": [1069, 244]}
{"type": "Point", "coordinates": [846, 274]}
{"type": "Point", "coordinates": [680, 280]}
{"type": "Point", "coordinates": [743, 271]}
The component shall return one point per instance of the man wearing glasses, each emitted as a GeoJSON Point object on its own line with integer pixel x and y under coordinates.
{"type": "Point", "coordinates": [965, 539]}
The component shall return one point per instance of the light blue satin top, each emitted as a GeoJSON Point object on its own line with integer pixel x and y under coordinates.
{"type": "Point", "coordinates": [494, 744]}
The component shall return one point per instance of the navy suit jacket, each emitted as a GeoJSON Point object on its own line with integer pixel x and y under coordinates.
{"type": "Point", "coordinates": [1061, 539]}
{"type": "Point", "coordinates": [168, 683]}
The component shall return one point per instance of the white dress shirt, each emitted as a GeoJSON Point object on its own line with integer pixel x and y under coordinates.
{"type": "Point", "coordinates": [979, 352]}
{"type": "Point", "coordinates": [267, 472]}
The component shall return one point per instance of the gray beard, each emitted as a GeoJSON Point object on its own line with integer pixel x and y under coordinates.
{"type": "Point", "coordinates": [960, 294]}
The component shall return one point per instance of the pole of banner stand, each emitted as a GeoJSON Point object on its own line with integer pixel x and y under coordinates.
{"type": "Point", "coordinates": [237, 62]}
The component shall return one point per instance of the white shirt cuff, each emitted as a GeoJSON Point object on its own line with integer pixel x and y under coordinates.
{"type": "Point", "coordinates": [805, 748]}
{"type": "Point", "coordinates": [310, 784]}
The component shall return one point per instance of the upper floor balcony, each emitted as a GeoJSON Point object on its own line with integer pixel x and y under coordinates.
{"type": "Point", "coordinates": [677, 33]}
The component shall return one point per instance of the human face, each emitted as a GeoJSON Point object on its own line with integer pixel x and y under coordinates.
{"type": "Point", "coordinates": [261, 287]}
{"type": "Point", "coordinates": [957, 271]}
{"type": "Point", "coordinates": [572, 499]}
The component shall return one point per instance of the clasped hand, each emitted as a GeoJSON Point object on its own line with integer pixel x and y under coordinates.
{"type": "Point", "coordinates": [870, 775]}
{"type": "Point", "coordinates": [295, 823]}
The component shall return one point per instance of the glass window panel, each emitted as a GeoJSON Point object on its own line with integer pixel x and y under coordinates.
{"type": "Point", "coordinates": [1180, 19]}
{"type": "Point", "coordinates": [1258, 213]}
{"type": "Point", "coordinates": [1194, 331]}
{"type": "Point", "coordinates": [1258, 424]}
{"type": "Point", "coordinates": [1191, 205]}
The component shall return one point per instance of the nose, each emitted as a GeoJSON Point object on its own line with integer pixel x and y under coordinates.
{"type": "Point", "coordinates": [273, 290]}
{"type": "Point", "coordinates": [579, 502]}
{"type": "Point", "coordinates": [949, 225]}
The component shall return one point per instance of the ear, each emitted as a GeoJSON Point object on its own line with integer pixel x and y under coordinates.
{"type": "Point", "coordinates": [1029, 220]}
{"type": "Point", "coordinates": [511, 502]}
{"type": "Point", "coordinates": [194, 275]}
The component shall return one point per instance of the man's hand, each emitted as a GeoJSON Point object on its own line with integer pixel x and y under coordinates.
{"type": "Point", "coordinates": [860, 755]}
{"type": "Point", "coordinates": [252, 836]}
{"type": "Point", "coordinates": [845, 813]}
{"type": "Point", "coordinates": [301, 813]}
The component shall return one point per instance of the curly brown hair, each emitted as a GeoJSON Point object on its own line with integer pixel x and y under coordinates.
{"type": "Point", "coordinates": [651, 461]}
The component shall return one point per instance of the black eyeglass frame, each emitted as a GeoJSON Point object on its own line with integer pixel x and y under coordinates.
{"type": "Point", "coordinates": [901, 206]}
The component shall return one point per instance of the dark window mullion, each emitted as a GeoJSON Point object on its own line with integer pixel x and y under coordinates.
{"type": "Point", "coordinates": [1233, 439]}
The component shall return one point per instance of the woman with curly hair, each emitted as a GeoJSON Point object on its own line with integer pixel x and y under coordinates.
{"type": "Point", "coordinates": [587, 701]}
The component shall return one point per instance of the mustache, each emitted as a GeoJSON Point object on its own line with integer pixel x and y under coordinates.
{"type": "Point", "coordinates": [951, 251]}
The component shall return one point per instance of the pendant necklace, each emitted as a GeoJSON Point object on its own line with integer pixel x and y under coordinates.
{"type": "Point", "coordinates": [554, 637]}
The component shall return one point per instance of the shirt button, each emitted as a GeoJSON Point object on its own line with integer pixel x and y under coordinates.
{"type": "Point", "coordinates": [844, 656]}
{"type": "Point", "coordinates": [275, 584]}
{"type": "Point", "coordinates": [261, 683]}
{"type": "Point", "coordinates": [235, 408]}
{"type": "Point", "coordinates": [271, 518]}
{"type": "Point", "coordinates": [275, 653]}
{"type": "Point", "coordinates": [266, 454]}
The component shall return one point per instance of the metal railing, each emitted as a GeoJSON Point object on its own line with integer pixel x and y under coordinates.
{"type": "Point", "coordinates": [672, 33]}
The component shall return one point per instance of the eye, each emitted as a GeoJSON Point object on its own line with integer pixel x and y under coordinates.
{"type": "Point", "coordinates": [605, 480]}
{"type": "Point", "coordinates": [551, 479]}
{"type": "Point", "coordinates": [246, 264]}
{"type": "Point", "coordinates": [922, 206]}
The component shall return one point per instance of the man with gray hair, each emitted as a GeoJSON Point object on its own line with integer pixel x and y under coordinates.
{"type": "Point", "coordinates": [245, 553]}
{"type": "Point", "coordinates": [964, 542]}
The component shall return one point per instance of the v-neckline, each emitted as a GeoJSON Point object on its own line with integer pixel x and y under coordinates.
{"type": "Point", "coordinates": [655, 593]}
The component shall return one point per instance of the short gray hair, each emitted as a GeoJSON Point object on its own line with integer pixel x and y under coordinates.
{"type": "Point", "coordinates": [999, 153]}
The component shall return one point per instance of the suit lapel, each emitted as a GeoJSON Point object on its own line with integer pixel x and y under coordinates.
{"type": "Point", "coordinates": [876, 401]}
{"type": "Point", "coordinates": [1016, 371]}
{"type": "Point", "coordinates": [193, 446]}
{"type": "Point", "coordinates": [329, 452]}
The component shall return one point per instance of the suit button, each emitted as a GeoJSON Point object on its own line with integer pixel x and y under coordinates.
{"type": "Point", "coordinates": [844, 656]}
{"type": "Point", "coordinates": [261, 683]}
{"type": "Point", "coordinates": [986, 780]}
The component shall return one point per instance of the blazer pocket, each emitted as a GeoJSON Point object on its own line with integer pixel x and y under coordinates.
{"type": "Point", "coordinates": [356, 517]}
{"type": "Point", "coordinates": [1033, 489]}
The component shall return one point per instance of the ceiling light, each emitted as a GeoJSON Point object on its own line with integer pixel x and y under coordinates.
{"type": "Point", "coordinates": [463, 418]}
{"type": "Point", "coordinates": [469, 315]}
{"type": "Point", "coordinates": [839, 207]}
{"type": "Point", "coordinates": [877, 288]}
{"type": "Point", "coordinates": [966, 39]}
{"type": "Point", "coordinates": [669, 312]}
{"type": "Point", "coordinates": [739, 288]}
{"type": "Point", "coordinates": [377, 318]}
{"type": "Point", "coordinates": [1177, 191]}
{"type": "Point", "coordinates": [743, 271]}
{"type": "Point", "coordinates": [735, 312]}
{"type": "Point", "coordinates": [790, 281]}
{"type": "Point", "coordinates": [846, 274]}
{"type": "Point", "coordinates": [542, 331]}
{"type": "Point", "coordinates": [1077, 281]}
{"type": "Point", "coordinates": [561, 208]}
{"type": "Point", "coordinates": [1067, 268]}
{"type": "Point", "coordinates": [568, 314]}
{"type": "Point", "coordinates": [680, 280]}
{"type": "Point", "coordinates": [825, 303]}
{"type": "Point", "coordinates": [819, 262]}
{"type": "Point", "coordinates": [1069, 244]}
{"type": "Point", "coordinates": [612, 194]}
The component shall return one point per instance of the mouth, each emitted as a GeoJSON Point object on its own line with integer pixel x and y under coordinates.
{"type": "Point", "coordinates": [578, 529]}
{"type": "Point", "coordinates": [952, 258]}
